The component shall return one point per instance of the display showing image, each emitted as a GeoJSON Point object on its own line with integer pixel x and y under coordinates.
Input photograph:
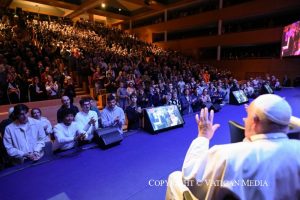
{"type": "Point", "coordinates": [164, 117]}
{"type": "Point", "coordinates": [268, 88]}
{"type": "Point", "coordinates": [240, 96]}
{"type": "Point", "coordinates": [290, 45]}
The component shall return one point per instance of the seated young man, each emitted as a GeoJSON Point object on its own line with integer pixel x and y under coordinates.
{"type": "Point", "coordinates": [66, 103]}
{"type": "Point", "coordinates": [87, 119]}
{"type": "Point", "coordinates": [25, 137]}
{"type": "Point", "coordinates": [134, 113]}
{"type": "Point", "coordinates": [68, 133]}
{"type": "Point", "coordinates": [112, 115]}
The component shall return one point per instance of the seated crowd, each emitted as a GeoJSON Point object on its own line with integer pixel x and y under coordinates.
{"type": "Point", "coordinates": [40, 59]}
{"type": "Point", "coordinates": [24, 137]}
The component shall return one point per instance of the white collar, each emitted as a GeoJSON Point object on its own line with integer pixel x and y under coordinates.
{"type": "Point", "coordinates": [269, 136]}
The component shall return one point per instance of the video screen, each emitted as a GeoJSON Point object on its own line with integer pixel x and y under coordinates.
{"type": "Point", "coordinates": [164, 117]}
{"type": "Point", "coordinates": [268, 88]}
{"type": "Point", "coordinates": [290, 45]}
{"type": "Point", "coordinates": [240, 96]}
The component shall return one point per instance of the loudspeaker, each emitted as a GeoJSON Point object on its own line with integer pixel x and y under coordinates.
{"type": "Point", "coordinates": [108, 137]}
{"type": "Point", "coordinates": [215, 107]}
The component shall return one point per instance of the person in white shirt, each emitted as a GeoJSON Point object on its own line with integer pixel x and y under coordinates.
{"type": "Point", "coordinates": [250, 89]}
{"type": "Point", "coordinates": [265, 165]}
{"type": "Point", "coordinates": [51, 87]}
{"type": "Point", "coordinates": [36, 113]}
{"type": "Point", "coordinates": [68, 133]}
{"type": "Point", "coordinates": [112, 115]}
{"type": "Point", "coordinates": [25, 138]}
{"type": "Point", "coordinates": [87, 119]}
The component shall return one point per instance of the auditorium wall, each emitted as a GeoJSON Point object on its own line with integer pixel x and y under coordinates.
{"type": "Point", "coordinates": [244, 69]}
{"type": "Point", "coordinates": [235, 39]}
{"type": "Point", "coordinates": [252, 8]}
{"type": "Point", "coordinates": [241, 68]}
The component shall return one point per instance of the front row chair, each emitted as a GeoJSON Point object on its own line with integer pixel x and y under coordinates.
{"type": "Point", "coordinates": [237, 132]}
{"type": "Point", "coordinates": [294, 128]}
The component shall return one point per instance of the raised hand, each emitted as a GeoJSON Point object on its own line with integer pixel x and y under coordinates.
{"type": "Point", "coordinates": [92, 121]}
{"type": "Point", "coordinates": [206, 128]}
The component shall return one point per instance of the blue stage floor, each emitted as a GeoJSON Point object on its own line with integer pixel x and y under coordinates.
{"type": "Point", "coordinates": [133, 170]}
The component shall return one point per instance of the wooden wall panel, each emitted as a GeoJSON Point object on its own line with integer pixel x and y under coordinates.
{"type": "Point", "coordinates": [278, 67]}
{"type": "Point", "coordinates": [253, 8]}
{"type": "Point", "coordinates": [234, 39]}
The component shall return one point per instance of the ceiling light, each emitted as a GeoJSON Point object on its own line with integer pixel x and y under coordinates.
{"type": "Point", "coordinates": [120, 9]}
{"type": "Point", "coordinates": [103, 5]}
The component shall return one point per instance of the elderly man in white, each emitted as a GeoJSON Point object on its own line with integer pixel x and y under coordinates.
{"type": "Point", "coordinates": [25, 138]}
{"type": "Point", "coordinates": [265, 165]}
{"type": "Point", "coordinates": [87, 119]}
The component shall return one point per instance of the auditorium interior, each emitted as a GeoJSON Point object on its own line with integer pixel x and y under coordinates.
{"type": "Point", "coordinates": [148, 48]}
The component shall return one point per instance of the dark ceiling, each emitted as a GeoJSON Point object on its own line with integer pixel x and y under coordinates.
{"type": "Point", "coordinates": [114, 9]}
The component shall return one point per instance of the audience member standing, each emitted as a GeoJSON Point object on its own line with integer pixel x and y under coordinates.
{"type": "Point", "coordinates": [122, 96]}
{"type": "Point", "coordinates": [133, 112]}
{"type": "Point", "coordinates": [186, 102]}
{"type": "Point", "coordinates": [69, 90]}
{"type": "Point", "coordinates": [37, 91]}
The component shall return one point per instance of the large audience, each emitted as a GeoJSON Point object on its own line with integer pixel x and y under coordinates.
{"type": "Point", "coordinates": [42, 60]}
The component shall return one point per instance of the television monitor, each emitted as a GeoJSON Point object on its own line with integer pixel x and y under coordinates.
{"type": "Point", "coordinates": [290, 44]}
{"type": "Point", "coordinates": [238, 97]}
{"type": "Point", "coordinates": [266, 89]}
{"type": "Point", "coordinates": [162, 118]}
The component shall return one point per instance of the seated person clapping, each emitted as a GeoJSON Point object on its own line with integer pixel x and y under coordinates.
{"type": "Point", "coordinates": [68, 133]}
{"type": "Point", "coordinates": [112, 115]}
{"type": "Point", "coordinates": [51, 87]}
{"type": "Point", "coordinates": [205, 97]}
{"type": "Point", "coordinates": [87, 119]}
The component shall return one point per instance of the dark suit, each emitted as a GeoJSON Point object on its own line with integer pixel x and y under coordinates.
{"type": "Point", "coordinates": [186, 104]}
